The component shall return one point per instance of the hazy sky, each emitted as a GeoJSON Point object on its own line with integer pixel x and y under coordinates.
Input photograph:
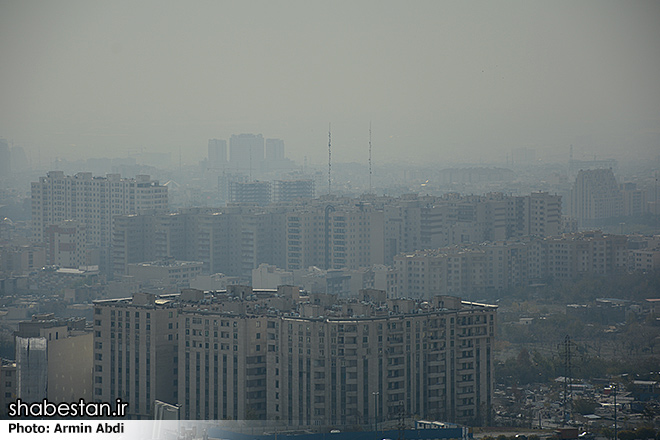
{"type": "Point", "coordinates": [439, 80]}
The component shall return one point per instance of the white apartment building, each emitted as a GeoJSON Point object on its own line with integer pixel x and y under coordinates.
{"type": "Point", "coordinates": [473, 269]}
{"type": "Point", "coordinates": [595, 196]}
{"type": "Point", "coordinates": [67, 244]}
{"type": "Point", "coordinates": [267, 276]}
{"type": "Point", "coordinates": [93, 201]}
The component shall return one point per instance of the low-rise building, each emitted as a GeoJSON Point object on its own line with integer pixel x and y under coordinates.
{"type": "Point", "coordinates": [165, 273]}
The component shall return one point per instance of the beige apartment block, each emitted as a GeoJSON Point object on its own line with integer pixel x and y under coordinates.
{"type": "Point", "coordinates": [248, 354]}
{"type": "Point", "coordinates": [135, 355]}
{"type": "Point", "coordinates": [53, 359]}
{"type": "Point", "coordinates": [7, 385]}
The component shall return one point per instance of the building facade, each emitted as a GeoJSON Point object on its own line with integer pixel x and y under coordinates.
{"type": "Point", "coordinates": [166, 273]}
{"type": "Point", "coordinates": [250, 193]}
{"type": "Point", "coordinates": [285, 191]}
{"type": "Point", "coordinates": [233, 240]}
{"type": "Point", "coordinates": [93, 201]}
{"type": "Point", "coordinates": [217, 153]}
{"type": "Point", "coordinates": [246, 152]}
{"type": "Point", "coordinates": [245, 355]}
{"type": "Point", "coordinates": [596, 197]}
{"type": "Point", "coordinates": [53, 359]}
{"type": "Point", "coordinates": [67, 244]}
{"type": "Point", "coordinates": [7, 386]}
{"type": "Point", "coordinates": [498, 266]}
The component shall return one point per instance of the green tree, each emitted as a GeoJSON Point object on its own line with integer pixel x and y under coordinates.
{"type": "Point", "coordinates": [645, 432]}
{"type": "Point", "coordinates": [627, 435]}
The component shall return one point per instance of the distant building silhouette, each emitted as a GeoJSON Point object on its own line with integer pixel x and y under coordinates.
{"type": "Point", "coordinates": [329, 232]}
{"type": "Point", "coordinates": [19, 161]}
{"type": "Point", "coordinates": [595, 197]}
{"type": "Point", "coordinates": [499, 266]}
{"type": "Point", "coordinates": [246, 152]}
{"type": "Point", "coordinates": [217, 153]}
{"type": "Point", "coordinates": [5, 159]}
{"type": "Point", "coordinates": [274, 150]}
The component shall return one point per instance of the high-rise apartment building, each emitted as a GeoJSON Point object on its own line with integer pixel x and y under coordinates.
{"type": "Point", "coordinates": [250, 193]}
{"type": "Point", "coordinates": [541, 215]}
{"type": "Point", "coordinates": [53, 359]}
{"type": "Point", "coordinates": [217, 153]}
{"type": "Point", "coordinates": [7, 386]}
{"type": "Point", "coordinates": [246, 152]}
{"type": "Point", "coordinates": [93, 201]}
{"type": "Point", "coordinates": [330, 232]}
{"type": "Point", "coordinates": [290, 190]}
{"type": "Point", "coordinates": [593, 252]}
{"type": "Point", "coordinates": [595, 197]}
{"type": "Point", "coordinates": [305, 239]}
{"type": "Point", "coordinates": [5, 159]}
{"type": "Point", "coordinates": [446, 271]}
{"type": "Point", "coordinates": [244, 355]}
{"type": "Point", "coordinates": [135, 352]}
{"type": "Point", "coordinates": [634, 200]}
{"type": "Point", "coordinates": [232, 240]}
{"type": "Point", "coordinates": [334, 237]}
{"type": "Point", "coordinates": [274, 150]}
{"type": "Point", "coordinates": [496, 266]}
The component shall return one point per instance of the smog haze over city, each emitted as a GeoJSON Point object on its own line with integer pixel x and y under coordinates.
{"type": "Point", "coordinates": [440, 82]}
{"type": "Point", "coordinates": [332, 217]}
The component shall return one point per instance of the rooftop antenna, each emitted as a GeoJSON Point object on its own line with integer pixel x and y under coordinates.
{"type": "Point", "coordinates": [370, 157]}
{"type": "Point", "coordinates": [329, 159]}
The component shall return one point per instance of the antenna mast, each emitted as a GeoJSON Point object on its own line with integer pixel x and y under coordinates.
{"type": "Point", "coordinates": [568, 380]}
{"type": "Point", "coordinates": [329, 159]}
{"type": "Point", "coordinates": [369, 157]}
